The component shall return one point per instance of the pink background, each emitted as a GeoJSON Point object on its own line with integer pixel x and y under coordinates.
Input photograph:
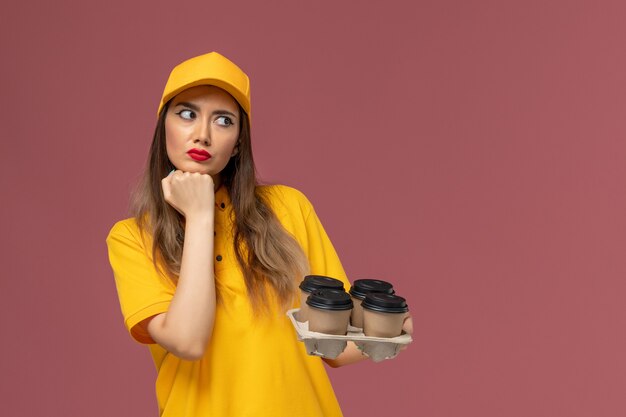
{"type": "Point", "coordinates": [472, 152]}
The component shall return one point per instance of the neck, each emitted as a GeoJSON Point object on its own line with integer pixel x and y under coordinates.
{"type": "Point", "coordinates": [217, 181]}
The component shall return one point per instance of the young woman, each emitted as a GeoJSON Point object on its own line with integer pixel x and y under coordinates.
{"type": "Point", "coordinates": [210, 262]}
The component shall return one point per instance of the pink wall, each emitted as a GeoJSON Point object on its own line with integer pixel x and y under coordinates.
{"type": "Point", "coordinates": [472, 152]}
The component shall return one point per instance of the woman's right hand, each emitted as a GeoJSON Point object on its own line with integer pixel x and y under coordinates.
{"type": "Point", "coordinates": [192, 194]}
{"type": "Point", "coordinates": [186, 328]}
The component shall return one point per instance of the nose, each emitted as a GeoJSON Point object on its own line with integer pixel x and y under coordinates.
{"type": "Point", "coordinates": [203, 132]}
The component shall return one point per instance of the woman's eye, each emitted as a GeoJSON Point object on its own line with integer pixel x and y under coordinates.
{"type": "Point", "coordinates": [187, 114]}
{"type": "Point", "coordinates": [224, 121]}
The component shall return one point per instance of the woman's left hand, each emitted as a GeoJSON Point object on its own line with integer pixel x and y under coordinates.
{"type": "Point", "coordinates": [407, 327]}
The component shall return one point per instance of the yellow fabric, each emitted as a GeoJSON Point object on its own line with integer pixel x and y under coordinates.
{"type": "Point", "coordinates": [253, 366]}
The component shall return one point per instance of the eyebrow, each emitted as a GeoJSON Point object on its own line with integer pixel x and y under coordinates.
{"type": "Point", "coordinates": [196, 108]}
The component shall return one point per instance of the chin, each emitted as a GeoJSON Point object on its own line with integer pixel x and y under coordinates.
{"type": "Point", "coordinates": [192, 168]}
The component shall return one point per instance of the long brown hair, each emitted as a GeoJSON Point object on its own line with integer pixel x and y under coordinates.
{"type": "Point", "coordinates": [267, 254]}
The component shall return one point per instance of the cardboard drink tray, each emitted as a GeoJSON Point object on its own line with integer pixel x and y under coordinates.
{"type": "Point", "coordinates": [330, 345]}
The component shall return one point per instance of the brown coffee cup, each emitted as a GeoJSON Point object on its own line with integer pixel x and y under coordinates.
{"type": "Point", "coordinates": [329, 311]}
{"type": "Point", "coordinates": [308, 285]}
{"type": "Point", "coordinates": [359, 289]}
{"type": "Point", "coordinates": [383, 315]}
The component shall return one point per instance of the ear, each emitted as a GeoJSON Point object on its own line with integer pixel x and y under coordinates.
{"type": "Point", "coordinates": [235, 150]}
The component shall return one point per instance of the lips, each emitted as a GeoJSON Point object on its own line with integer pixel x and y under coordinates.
{"type": "Point", "coordinates": [199, 154]}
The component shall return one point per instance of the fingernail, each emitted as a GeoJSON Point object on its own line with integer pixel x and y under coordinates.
{"type": "Point", "coordinates": [171, 172]}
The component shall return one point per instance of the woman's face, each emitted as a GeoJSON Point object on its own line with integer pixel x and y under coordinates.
{"type": "Point", "coordinates": [201, 130]}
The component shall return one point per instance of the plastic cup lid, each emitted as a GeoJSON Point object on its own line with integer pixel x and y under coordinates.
{"type": "Point", "coordinates": [361, 287]}
{"type": "Point", "coordinates": [385, 303]}
{"type": "Point", "coordinates": [329, 299]}
{"type": "Point", "coordinates": [316, 282]}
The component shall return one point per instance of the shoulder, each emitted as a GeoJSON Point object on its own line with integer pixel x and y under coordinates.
{"type": "Point", "coordinates": [284, 198]}
{"type": "Point", "coordinates": [127, 228]}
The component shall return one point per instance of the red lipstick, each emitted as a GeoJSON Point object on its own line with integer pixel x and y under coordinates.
{"type": "Point", "coordinates": [199, 154]}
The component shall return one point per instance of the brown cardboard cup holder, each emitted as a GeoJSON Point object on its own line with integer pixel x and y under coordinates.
{"type": "Point", "coordinates": [330, 346]}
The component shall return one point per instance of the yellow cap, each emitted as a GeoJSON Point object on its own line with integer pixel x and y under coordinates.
{"type": "Point", "coordinates": [209, 69]}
